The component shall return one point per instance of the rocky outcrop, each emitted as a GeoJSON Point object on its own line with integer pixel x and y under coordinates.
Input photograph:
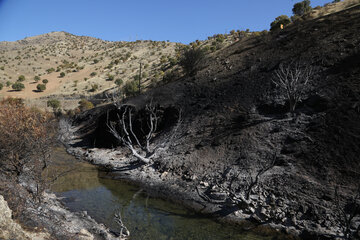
{"type": "Point", "coordinates": [10, 229]}
{"type": "Point", "coordinates": [51, 219]}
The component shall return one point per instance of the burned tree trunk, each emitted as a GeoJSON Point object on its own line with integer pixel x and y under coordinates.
{"type": "Point", "coordinates": [139, 139]}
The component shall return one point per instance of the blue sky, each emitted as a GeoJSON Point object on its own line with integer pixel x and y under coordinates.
{"type": "Point", "coordinates": [128, 20]}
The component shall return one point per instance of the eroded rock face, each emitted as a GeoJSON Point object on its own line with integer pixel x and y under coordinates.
{"type": "Point", "coordinates": [9, 229]}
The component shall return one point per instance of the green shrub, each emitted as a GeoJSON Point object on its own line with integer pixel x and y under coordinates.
{"type": "Point", "coordinates": [283, 19]}
{"type": "Point", "coordinates": [21, 78]}
{"type": "Point", "coordinates": [119, 81]}
{"type": "Point", "coordinates": [8, 83]}
{"type": "Point", "coordinates": [110, 77]}
{"type": "Point", "coordinates": [50, 70]}
{"type": "Point", "coordinates": [85, 105]}
{"type": "Point", "coordinates": [41, 87]}
{"type": "Point", "coordinates": [36, 78]}
{"type": "Point", "coordinates": [94, 87]}
{"type": "Point", "coordinates": [173, 61]}
{"type": "Point", "coordinates": [18, 86]}
{"type": "Point", "coordinates": [137, 77]}
{"type": "Point", "coordinates": [93, 74]}
{"type": "Point", "coordinates": [220, 38]}
{"type": "Point", "coordinates": [171, 76]}
{"type": "Point", "coordinates": [1, 86]}
{"type": "Point", "coordinates": [45, 81]}
{"type": "Point", "coordinates": [302, 7]}
{"type": "Point", "coordinates": [190, 59]}
{"type": "Point", "coordinates": [131, 88]}
{"type": "Point", "coordinates": [54, 104]}
{"type": "Point", "coordinates": [62, 74]}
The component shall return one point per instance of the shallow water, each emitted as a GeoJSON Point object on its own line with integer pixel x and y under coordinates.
{"type": "Point", "coordinates": [145, 217]}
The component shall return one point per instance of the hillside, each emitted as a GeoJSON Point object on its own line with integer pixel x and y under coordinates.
{"type": "Point", "coordinates": [237, 152]}
{"type": "Point", "coordinates": [91, 65]}
{"type": "Point", "coordinates": [86, 62]}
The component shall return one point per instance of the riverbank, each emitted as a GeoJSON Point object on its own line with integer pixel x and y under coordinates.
{"type": "Point", "coordinates": [51, 221]}
{"type": "Point", "coordinates": [46, 218]}
{"type": "Point", "coordinates": [192, 193]}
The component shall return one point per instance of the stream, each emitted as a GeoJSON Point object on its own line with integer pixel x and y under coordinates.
{"type": "Point", "coordinates": [146, 218]}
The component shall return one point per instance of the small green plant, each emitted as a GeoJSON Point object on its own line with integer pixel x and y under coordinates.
{"type": "Point", "coordinates": [18, 86]}
{"type": "Point", "coordinates": [50, 70]}
{"type": "Point", "coordinates": [110, 77]}
{"type": "Point", "coordinates": [173, 61]}
{"type": "Point", "coordinates": [8, 83]}
{"type": "Point", "coordinates": [94, 87]}
{"type": "Point", "coordinates": [85, 105]}
{"type": "Point", "coordinates": [1, 86]}
{"type": "Point", "coordinates": [220, 38]}
{"type": "Point", "coordinates": [137, 77]}
{"type": "Point", "coordinates": [54, 104]}
{"type": "Point", "coordinates": [93, 74]}
{"type": "Point", "coordinates": [41, 87]}
{"type": "Point", "coordinates": [118, 81]}
{"type": "Point", "coordinates": [45, 81]}
{"type": "Point", "coordinates": [131, 88]}
{"type": "Point", "coordinates": [21, 78]}
{"type": "Point", "coordinates": [62, 74]}
{"type": "Point", "coordinates": [36, 78]}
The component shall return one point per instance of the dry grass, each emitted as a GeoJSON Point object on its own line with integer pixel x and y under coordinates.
{"type": "Point", "coordinates": [332, 8]}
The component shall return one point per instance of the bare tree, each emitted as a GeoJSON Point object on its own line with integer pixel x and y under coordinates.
{"type": "Point", "coordinates": [253, 179]}
{"type": "Point", "coordinates": [124, 232]}
{"type": "Point", "coordinates": [140, 145]}
{"type": "Point", "coordinates": [249, 179]}
{"type": "Point", "coordinates": [253, 176]}
{"type": "Point", "coordinates": [293, 78]}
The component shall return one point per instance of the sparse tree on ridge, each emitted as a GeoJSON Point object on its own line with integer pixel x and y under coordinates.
{"type": "Point", "coordinates": [280, 20]}
{"type": "Point", "coordinates": [302, 7]}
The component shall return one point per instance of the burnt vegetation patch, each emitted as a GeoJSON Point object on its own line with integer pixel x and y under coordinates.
{"type": "Point", "coordinates": [103, 138]}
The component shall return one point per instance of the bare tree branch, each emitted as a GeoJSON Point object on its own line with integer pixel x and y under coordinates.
{"type": "Point", "coordinates": [124, 232]}
{"type": "Point", "coordinates": [140, 146]}
{"type": "Point", "coordinates": [293, 78]}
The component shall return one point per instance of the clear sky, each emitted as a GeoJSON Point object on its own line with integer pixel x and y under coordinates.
{"type": "Point", "coordinates": [128, 20]}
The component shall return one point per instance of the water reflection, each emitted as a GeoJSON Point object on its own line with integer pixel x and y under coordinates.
{"type": "Point", "coordinates": [145, 217]}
